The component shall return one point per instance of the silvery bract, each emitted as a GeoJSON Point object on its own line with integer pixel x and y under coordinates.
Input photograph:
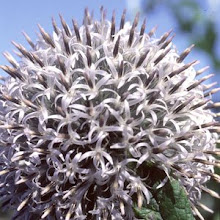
{"type": "Point", "coordinates": [85, 108]}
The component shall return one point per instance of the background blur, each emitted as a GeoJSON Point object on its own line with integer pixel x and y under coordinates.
{"type": "Point", "coordinates": [194, 22]}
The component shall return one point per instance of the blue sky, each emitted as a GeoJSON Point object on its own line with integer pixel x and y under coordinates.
{"type": "Point", "coordinates": [24, 15]}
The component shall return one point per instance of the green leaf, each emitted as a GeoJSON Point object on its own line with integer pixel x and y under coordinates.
{"type": "Point", "coordinates": [169, 202]}
{"type": "Point", "coordinates": [151, 211]}
{"type": "Point", "coordinates": [173, 202]}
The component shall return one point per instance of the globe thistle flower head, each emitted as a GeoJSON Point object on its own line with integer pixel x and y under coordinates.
{"type": "Point", "coordinates": [87, 108]}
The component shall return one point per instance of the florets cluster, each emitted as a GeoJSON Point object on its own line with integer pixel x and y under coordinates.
{"type": "Point", "coordinates": [85, 108]}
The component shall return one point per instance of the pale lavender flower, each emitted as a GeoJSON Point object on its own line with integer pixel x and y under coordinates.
{"type": "Point", "coordinates": [84, 108]}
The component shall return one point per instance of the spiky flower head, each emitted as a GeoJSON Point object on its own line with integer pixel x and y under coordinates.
{"type": "Point", "coordinates": [87, 107]}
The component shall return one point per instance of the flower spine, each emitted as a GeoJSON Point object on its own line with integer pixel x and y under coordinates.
{"type": "Point", "coordinates": [85, 108]}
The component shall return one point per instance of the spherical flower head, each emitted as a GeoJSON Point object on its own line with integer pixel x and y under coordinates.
{"type": "Point", "coordinates": [85, 112]}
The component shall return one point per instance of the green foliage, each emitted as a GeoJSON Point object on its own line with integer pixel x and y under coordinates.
{"type": "Point", "coordinates": [150, 211]}
{"type": "Point", "coordinates": [173, 202]}
{"type": "Point", "coordinates": [169, 202]}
